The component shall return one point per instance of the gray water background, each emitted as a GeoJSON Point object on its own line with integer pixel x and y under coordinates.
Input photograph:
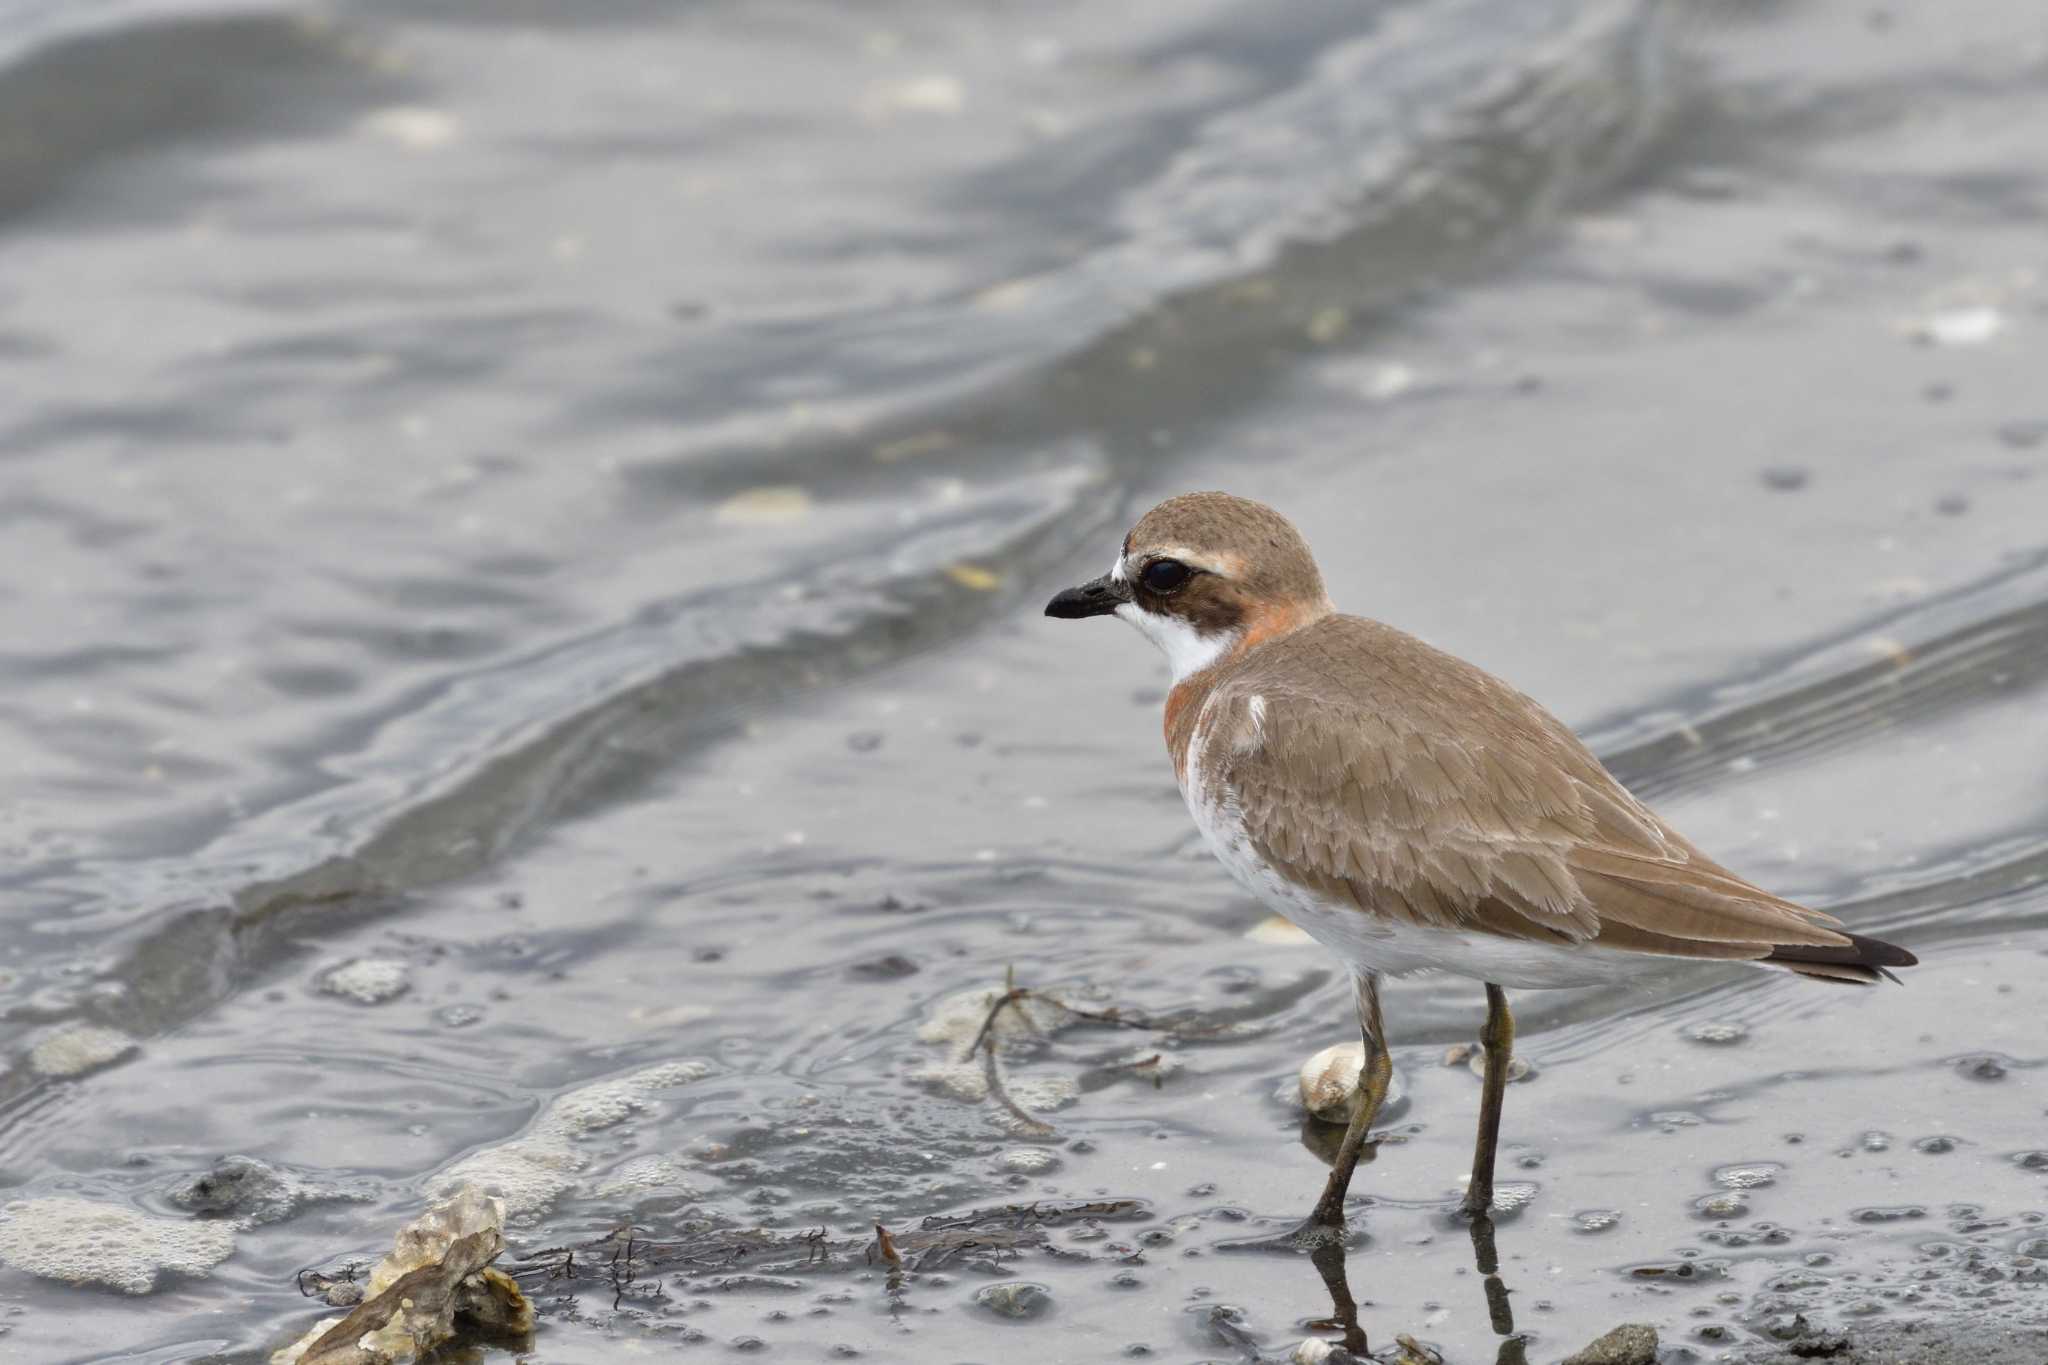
{"type": "Point", "coordinates": [559, 497]}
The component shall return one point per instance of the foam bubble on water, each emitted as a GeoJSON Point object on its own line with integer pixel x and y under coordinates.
{"type": "Point", "coordinates": [657, 1172]}
{"type": "Point", "coordinates": [76, 1049]}
{"type": "Point", "coordinates": [1717, 1032]}
{"type": "Point", "coordinates": [1045, 1092]}
{"type": "Point", "coordinates": [529, 1173]}
{"type": "Point", "coordinates": [1729, 1205]}
{"type": "Point", "coordinates": [961, 1081]}
{"type": "Point", "coordinates": [1028, 1161]}
{"type": "Point", "coordinates": [368, 980]}
{"type": "Point", "coordinates": [82, 1241]}
{"type": "Point", "coordinates": [542, 1164]}
{"type": "Point", "coordinates": [958, 1018]}
{"type": "Point", "coordinates": [1513, 1195]}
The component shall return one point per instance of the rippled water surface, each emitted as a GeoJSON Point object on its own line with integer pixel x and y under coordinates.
{"type": "Point", "coordinates": [525, 527]}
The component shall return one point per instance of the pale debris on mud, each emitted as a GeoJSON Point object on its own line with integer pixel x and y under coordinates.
{"type": "Point", "coordinates": [368, 980]}
{"type": "Point", "coordinates": [435, 1282]}
{"type": "Point", "coordinates": [76, 1049]}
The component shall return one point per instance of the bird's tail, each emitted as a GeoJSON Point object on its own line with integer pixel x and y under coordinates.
{"type": "Point", "coordinates": [1861, 962]}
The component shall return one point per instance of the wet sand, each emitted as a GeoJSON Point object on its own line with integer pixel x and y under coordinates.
{"type": "Point", "coordinates": [502, 689]}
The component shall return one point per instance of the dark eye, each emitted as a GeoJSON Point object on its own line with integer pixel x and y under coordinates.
{"type": "Point", "coordinates": [1164, 575]}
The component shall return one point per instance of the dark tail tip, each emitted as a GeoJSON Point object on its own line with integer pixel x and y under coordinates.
{"type": "Point", "coordinates": [1863, 961]}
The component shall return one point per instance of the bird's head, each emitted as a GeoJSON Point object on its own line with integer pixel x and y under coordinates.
{"type": "Point", "coordinates": [1206, 576]}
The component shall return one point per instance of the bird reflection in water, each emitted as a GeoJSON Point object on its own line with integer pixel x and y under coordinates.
{"type": "Point", "coordinates": [1329, 1261]}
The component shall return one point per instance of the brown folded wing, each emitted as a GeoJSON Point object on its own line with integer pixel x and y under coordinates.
{"type": "Point", "coordinates": [1376, 770]}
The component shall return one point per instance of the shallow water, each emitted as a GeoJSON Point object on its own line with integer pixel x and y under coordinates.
{"type": "Point", "coordinates": [554, 504]}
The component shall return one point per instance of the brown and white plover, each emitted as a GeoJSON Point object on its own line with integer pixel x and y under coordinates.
{"type": "Point", "coordinates": [1410, 811]}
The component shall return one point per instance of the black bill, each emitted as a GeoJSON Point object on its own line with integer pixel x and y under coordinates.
{"type": "Point", "coordinates": [1098, 597]}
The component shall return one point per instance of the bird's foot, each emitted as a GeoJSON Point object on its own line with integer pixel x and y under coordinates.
{"type": "Point", "coordinates": [1486, 1206]}
{"type": "Point", "coordinates": [1319, 1230]}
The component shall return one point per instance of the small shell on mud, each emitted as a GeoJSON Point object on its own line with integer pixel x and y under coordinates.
{"type": "Point", "coordinates": [1279, 931]}
{"type": "Point", "coordinates": [1329, 1080]}
{"type": "Point", "coordinates": [1519, 1067]}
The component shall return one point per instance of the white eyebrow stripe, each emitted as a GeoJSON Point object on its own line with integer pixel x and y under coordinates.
{"type": "Point", "coordinates": [1193, 558]}
{"type": "Point", "coordinates": [1116, 571]}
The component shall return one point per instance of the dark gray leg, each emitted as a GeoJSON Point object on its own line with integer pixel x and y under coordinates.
{"type": "Point", "coordinates": [1372, 1092]}
{"type": "Point", "coordinates": [1498, 1040]}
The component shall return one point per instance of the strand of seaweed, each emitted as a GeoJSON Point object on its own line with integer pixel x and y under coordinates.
{"type": "Point", "coordinates": [627, 1255]}
{"type": "Point", "coordinates": [1013, 996]}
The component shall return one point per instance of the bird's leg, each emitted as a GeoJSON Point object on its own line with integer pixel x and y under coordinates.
{"type": "Point", "coordinates": [1498, 1040]}
{"type": "Point", "coordinates": [1373, 1079]}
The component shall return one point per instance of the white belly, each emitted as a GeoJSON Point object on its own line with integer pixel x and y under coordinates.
{"type": "Point", "coordinates": [1375, 944]}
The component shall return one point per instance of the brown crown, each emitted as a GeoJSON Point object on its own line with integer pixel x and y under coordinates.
{"type": "Point", "coordinates": [1246, 542]}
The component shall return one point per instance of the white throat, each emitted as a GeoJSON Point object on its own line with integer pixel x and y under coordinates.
{"type": "Point", "coordinates": [1188, 651]}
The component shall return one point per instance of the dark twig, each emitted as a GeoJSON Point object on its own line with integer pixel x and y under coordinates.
{"type": "Point", "coordinates": [1002, 1002]}
{"type": "Point", "coordinates": [322, 1281]}
{"type": "Point", "coordinates": [985, 1043]}
{"type": "Point", "coordinates": [1012, 998]}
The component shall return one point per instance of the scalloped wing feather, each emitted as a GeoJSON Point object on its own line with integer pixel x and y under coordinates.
{"type": "Point", "coordinates": [1377, 771]}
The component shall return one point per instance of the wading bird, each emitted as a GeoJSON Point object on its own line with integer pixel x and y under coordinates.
{"type": "Point", "coordinates": [1410, 811]}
